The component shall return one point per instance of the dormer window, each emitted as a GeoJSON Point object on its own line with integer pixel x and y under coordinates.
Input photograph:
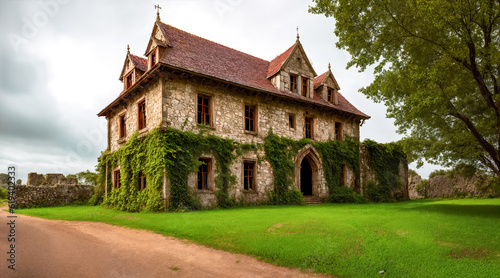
{"type": "Point", "coordinates": [331, 95]}
{"type": "Point", "coordinates": [293, 83]}
{"type": "Point", "coordinates": [305, 86]}
{"type": "Point", "coordinates": [128, 81]}
{"type": "Point", "coordinates": [152, 59]}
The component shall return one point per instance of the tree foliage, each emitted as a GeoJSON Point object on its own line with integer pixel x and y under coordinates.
{"type": "Point", "coordinates": [436, 64]}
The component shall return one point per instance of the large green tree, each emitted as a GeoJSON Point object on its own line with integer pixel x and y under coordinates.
{"type": "Point", "coordinates": [436, 64]}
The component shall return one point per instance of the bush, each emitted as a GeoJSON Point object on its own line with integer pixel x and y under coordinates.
{"type": "Point", "coordinates": [4, 193]}
{"type": "Point", "coordinates": [344, 194]}
{"type": "Point", "coordinates": [377, 193]}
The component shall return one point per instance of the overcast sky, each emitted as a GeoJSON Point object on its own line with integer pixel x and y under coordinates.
{"type": "Point", "coordinates": [60, 61]}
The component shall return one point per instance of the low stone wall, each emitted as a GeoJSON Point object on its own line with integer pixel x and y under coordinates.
{"type": "Point", "coordinates": [45, 196]}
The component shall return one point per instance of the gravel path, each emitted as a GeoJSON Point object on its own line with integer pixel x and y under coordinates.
{"type": "Point", "coordinates": [56, 248]}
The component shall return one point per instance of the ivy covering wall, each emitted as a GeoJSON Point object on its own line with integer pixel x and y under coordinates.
{"type": "Point", "coordinates": [175, 153]}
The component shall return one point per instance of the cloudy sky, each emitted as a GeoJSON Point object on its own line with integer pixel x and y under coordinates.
{"type": "Point", "coordinates": [60, 61]}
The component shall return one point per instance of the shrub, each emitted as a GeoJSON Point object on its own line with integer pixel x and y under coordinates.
{"type": "Point", "coordinates": [377, 193]}
{"type": "Point", "coordinates": [4, 193]}
{"type": "Point", "coordinates": [344, 194]}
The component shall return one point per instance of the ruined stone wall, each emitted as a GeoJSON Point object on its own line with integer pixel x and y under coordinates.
{"type": "Point", "coordinates": [27, 196]}
{"type": "Point", "coordinates": [368, 174]}
{"type": "Point", "coordinates": [443, 186]}
{"type": "Point", "coordinates": [35, 179]}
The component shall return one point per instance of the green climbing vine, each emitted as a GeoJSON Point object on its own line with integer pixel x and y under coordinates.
{"type": "Point", "coordinates": [171, 152]}
{"type": "Point", "coordinates": [175, 153]}
{"type": "Point", "coordinates": [384, 161]}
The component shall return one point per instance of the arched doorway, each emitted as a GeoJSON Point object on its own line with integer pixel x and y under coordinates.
{"type": "Point", "coordinates": [306, 183]}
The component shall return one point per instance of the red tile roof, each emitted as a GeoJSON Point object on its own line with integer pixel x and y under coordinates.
{"type": "Point", "coordinates": [194, 54]}
{"type": "Point", "coordinates": [318, 81]}
{"type": "Point", "coordinates": [276, 63]}
{"type": "Point", "coordinates": [139, 63]}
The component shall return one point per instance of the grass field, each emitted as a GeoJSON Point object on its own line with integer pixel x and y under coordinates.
{"type": "Point", "coordinates": [447, 238]}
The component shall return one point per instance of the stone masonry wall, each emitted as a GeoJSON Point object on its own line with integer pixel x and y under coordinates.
{"type": "Point", "coordinates": [45, 196]}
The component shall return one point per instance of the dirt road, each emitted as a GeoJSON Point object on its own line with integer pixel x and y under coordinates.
{"type": "Point", "coordinates": [55, 248]}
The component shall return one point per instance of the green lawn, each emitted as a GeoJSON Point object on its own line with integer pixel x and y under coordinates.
{"type": "Point", "coordinates": [447, 238]}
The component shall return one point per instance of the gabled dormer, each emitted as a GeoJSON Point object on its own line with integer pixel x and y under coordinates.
{"type": "Point", "coordinates": [133, 68]}
{"type": "Point", "coordinates": [157, 45]}
{"type": "Point", "coordinates": [327, 87]}
{"type": "Point", "coordinates": [292, 71]}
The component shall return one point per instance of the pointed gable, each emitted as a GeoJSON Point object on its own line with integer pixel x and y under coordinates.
{"type": "Point", "coordinates": [158, 38]}
{"type": "Point", "coordinates": [294, 58]}
{"type": "Point", "coordinates": [133, 62]}
{"type": "Point", "coordinates": [276, 64]}
{"type": "Point", "coordinates": [327, 87]}
{"type": "Point", "coordinates": [326, 78]}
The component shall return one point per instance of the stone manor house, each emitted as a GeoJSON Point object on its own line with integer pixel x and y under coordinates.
{"type": "Point", "coordinates": [186, 80]}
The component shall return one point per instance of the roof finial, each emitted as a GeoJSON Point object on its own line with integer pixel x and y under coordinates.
{"type": "Point", "coordinates": [128, 49]}
{"type": "Point", "coordinates": [157, 7]}
{"type": "Point", "coordinates": [329, 68]}
{"type": "Point", "coordinates": [298, 33]}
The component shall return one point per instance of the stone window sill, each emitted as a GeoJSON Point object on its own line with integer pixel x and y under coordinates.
{"type": "Point", "coordinates": [254, 133]}
{"type": "Point", "coordinates": [143, 132]}
{"type": "Point", "coordinates": [122, 140]}
{"type": "Point", "coordinates": [205, 191]}
{"type": "Point", "coordinates": [250, 191]}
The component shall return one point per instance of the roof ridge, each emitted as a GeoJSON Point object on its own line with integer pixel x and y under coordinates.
{"type": "Point", "coordinates": [214, 42]}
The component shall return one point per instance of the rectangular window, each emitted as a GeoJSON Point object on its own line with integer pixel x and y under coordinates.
{"type": "Point", "coordinates": [338, 131]}
{"type": "Point", "coordinates": [203, 110]}
{"type": "Point", "coordinates": [123, 126]}
{"type": "Point", "coordinates": [309, 127]}
{"type": "Point", "coordinates": [204, 173]}
{"type": "Point", "coordinates": [250, 118]}
{"type": "Point", "coordinates": [305, 86]}
{"type": "Point", "coordinates": [293, 83]}
{"type": "Point", "coordinates": [141, 185]}
{"type": "Point", "coordinates": [291, 120]}
{"type": "Point", "coordinates": [117, 179]}
{"type": "Point", "coordinates": [331, 95]}
{"type": "Point", "coordinates": [153, 59]}
{"type": "Point", "coordinates": [249, 175]}
{"type": "Point", "coordinates": [128, 81]}
{"type": "Point", "coordinates": [141, 107]}
{"type": "Point", "coordinates": [342, 175]}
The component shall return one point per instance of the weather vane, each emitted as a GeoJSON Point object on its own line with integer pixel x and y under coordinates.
{"type": "Point", "coordinates": [157, 7]}
{"type": "Point", "coordinates": [297, 32]}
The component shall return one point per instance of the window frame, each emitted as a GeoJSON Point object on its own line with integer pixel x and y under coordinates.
{"type": "Point", "coordinates": [141, 114]}
{"type": "Point", "coordinates": [200, 119]}
{"type": "Point", "coordinates": [330, 95]}
{"type": "Point", "coordinates": [309, 132]}
{"type": "Point", "coordinates": [249, 175]}
{"type": "Point", "coordinates": [152, 58]}
{"type": "Point", "coordinates": [251, 119]}
{"type": "Point", "coordinates": [129, 80]}
{"type": "Point", "coordinates": [338, 131]}
{"type": "Point", "coordinates": [116, 179]}
{"type": "Point", "coordinates": [122, 123]}
{"type": "Point", "coordinates": [142, 181]}
{"type": "Point", "coordinates": [294, 85]}
{"type": "Point", "coordinates": [208, 174]}
{"type": "Point", "coordinates": [292, 121]}
{"type": "Point", "coordinates": [305, 86]}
